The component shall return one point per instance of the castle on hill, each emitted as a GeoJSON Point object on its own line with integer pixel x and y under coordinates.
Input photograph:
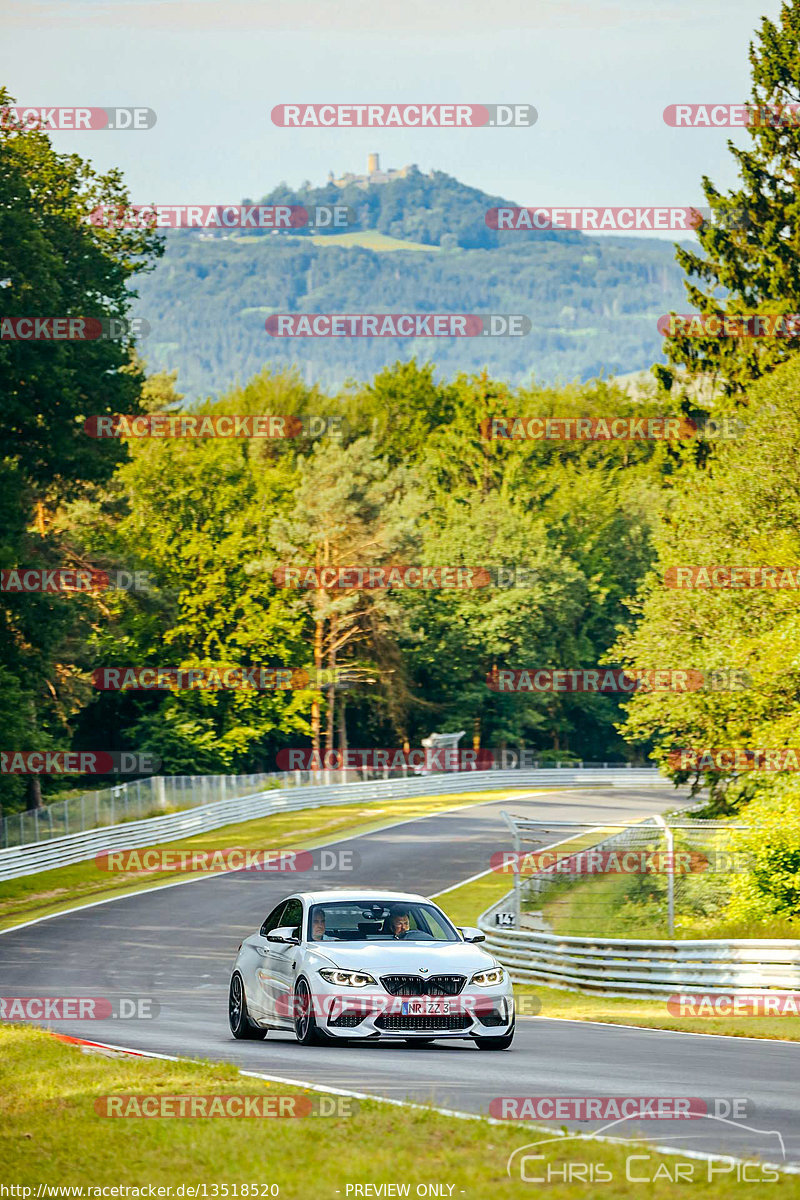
{"type": "Point", "coordinates": [374, 174]}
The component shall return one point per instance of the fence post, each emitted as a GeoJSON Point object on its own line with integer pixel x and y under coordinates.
{"type": "Point", "coordinates": [66, 818]}
{"type": "Point", "coordinates": [36, 822]}
{"type": "Point", "coordinates": [670, 840]}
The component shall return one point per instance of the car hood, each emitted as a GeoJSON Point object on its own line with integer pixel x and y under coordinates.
{"type": "Point", "coordinates": [444, 958]}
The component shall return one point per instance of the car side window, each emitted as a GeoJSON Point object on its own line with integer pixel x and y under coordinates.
{"type": "Point", "coordinates": [274, 919]}
{"type": "Point", "coordinates": [293, 915]}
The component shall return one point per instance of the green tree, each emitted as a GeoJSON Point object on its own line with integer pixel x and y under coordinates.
{"type": "Point", "coordinates": [54, 263]}
{"type": "Point", "coordinates": [750, 249]}
{"type": "Point", "coordinates": [350, 509]}
{"type": "Point", "coordinates": [744, 512]}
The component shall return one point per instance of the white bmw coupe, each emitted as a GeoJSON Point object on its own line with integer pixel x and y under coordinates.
{"type": "Point", "coordinates": [368, 965]}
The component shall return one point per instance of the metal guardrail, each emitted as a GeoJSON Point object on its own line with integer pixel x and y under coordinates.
{"type": "Point", "coordinates": [62, 851]}
{"type": "Point", "coordinates": [639, 967]}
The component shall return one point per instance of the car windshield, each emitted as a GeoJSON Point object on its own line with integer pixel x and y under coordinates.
{"type": "Point", "coordinates": [378, 921]}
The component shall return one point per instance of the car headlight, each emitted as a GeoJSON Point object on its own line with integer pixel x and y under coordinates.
{"type": "Point", "coordinates": [488, 978]}
{"type": "Point", "coordinates": [347, 978]}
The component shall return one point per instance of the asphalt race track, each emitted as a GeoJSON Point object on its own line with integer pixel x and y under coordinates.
{"type": "Point", "coordinates": [178, 944]}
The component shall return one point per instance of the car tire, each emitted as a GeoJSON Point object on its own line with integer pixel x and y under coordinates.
{"type": "Point", "coordinates": [496, 1043]}
{"type": "Point", "coordinates": [305, 1023]}
{"type": "Point", "coordinates": [242, 1027]}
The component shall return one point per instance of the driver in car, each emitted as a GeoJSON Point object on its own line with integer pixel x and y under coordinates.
{"type": "Point", "coordinates": [318, 925]}
{"type": "Point", "coordinates": [399, 923]}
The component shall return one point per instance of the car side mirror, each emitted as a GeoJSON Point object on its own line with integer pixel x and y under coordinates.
{"type": "Point", "coordinates": [472, 935]}
{"type": "Point", "coordinates": [287, 934]}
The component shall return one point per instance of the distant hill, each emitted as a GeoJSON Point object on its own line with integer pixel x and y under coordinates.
{"type": "Point", "coordinates": [593, 302]}
{"type": "Point", "coordinates": [435, 209]}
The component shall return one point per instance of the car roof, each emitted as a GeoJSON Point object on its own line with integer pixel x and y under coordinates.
{"type": "Point", "coordinates": [359, 894]}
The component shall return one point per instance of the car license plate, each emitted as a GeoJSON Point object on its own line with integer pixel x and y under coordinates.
{"type": "Point", "coordinates": [426, 1008]}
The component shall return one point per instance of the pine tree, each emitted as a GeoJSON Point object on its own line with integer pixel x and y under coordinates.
{"type": "Point", "coordinates": [751, 262]}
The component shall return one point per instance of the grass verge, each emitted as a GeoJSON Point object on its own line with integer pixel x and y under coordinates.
{"type": "Point", "coordinates": [465, 903]}
{"type": "Point", "coordinates": [55, 891]}
{"type": "Point", "coordinates": [51, 1134]}
{"type": "Point", "coordinates": [635, 906]}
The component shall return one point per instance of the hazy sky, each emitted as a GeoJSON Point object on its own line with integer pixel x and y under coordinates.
{"type": "Point", "coordinates": [600, 74]}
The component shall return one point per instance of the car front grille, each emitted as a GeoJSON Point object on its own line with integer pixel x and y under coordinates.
{"type": "Point", "coordinates": [433, 1023]}
{"type": "Point", "coordinates": [417, 985]}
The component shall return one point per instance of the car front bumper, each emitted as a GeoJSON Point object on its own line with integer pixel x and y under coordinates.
{"type": "Point", "coordinates": [379, 1015]}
